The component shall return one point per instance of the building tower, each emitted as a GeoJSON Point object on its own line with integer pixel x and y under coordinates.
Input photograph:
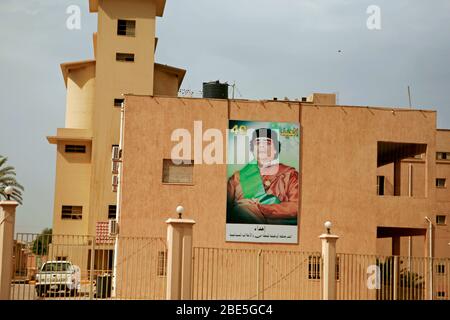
{"type": "Point", "coordinates": [124, 62]}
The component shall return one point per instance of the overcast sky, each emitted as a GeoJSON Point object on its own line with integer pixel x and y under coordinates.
{"type": "Point", "coordinates": [271, 48]}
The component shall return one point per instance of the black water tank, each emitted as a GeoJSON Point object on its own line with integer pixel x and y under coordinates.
{"type": "Point", "coordinates": [215, 90]}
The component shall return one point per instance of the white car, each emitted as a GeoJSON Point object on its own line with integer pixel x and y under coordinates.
{"type": "Point", "coordinates": [58, 276]}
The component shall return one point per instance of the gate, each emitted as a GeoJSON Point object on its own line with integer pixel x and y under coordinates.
{"type": "Point", "coordinates": [84, 267]}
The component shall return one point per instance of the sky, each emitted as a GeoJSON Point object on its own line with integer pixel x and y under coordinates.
{"type": "Point", "coordinates": [270, 48]}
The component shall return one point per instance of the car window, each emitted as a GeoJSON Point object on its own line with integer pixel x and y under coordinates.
{"type": "Point", "coordinates": [56, 266]}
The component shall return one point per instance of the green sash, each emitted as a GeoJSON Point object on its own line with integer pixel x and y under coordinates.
{"type": "Point", "coordinates": [252, 185]}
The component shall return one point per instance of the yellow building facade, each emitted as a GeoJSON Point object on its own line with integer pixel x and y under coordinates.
{"type": "Point", "coordinates": [124, 62]}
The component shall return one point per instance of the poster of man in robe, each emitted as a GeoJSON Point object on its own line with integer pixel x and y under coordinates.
{"type": "Point", "coordinates": [263, 188]}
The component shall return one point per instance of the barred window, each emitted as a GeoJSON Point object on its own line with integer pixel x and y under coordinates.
{"type": "Point", "coordinates": [441, 219]}
{"type": "Point", "coordinates": [125, 57]}
{"type": "Point", "coordinates": [126, 28]}
{"type": "Point", "coordinates": [162, 263]}
{"type": "Point", "coordinates": [112, 212]}
{"type": "Point", "coordinates": [70, 148]}
{"type": "Point", "coordinates": [442, 155]}
{"type": "Point", "coordinates": [440, 182]}
{"type": "Point", "coordinates": [72, 212]}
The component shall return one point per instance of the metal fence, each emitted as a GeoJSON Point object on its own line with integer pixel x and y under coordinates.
{"type": "Point", "coordinates": [82, 267]}
{"type": "Point", "coordinates": [255, 274]}
{"type": "Point", "coordinates": [139, 272]}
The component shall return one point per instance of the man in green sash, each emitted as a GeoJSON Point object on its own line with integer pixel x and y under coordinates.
{"type": "Point", "coordinates": [264, 191]}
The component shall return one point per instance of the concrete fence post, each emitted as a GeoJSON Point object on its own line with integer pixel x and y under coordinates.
{"type": "Point", "coordinates": [329, 266]}
{"type": "Point", "coordinates": [179, 260]}
{"type": "Point", "coordinates": [7, 221]}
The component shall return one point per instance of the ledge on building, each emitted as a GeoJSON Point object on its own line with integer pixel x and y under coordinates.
{"type": "Point", "coordinates": [160, 5]}
{"type": "Point", "coordinates": [180, 73]}
{"type": "Point", "coordinates": [66, 67]}
{"type": "Point", "coordinates": [65, 134]}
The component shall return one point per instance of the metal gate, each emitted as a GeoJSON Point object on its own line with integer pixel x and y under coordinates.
{"type": "Point", "coordinates": [84, 267]}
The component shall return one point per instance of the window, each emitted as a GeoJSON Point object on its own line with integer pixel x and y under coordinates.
{"type": "Point", "coordinates": [118, 102]}
{"type": "Point", "coordinates": [440, 183]}
{"type": "Point", "coordinates": [125, 57]}
{"type": "Point", "coordinates": [61, 258]}
{"type": "Point", "coordinates": [112, 211]}
{"type": "Point", "coordinates": [69, 148]}
{"type": "Point", "coordinates": [177, 173]}
{"type": "Point", "coordinates": [314, 267]}
{"type": "Point", "coordinates": [380, 185]}
{"type": "Point", "coordinates": [440, 294]}
{"type": "Point", "coordinates": [162, 263]}
{"type": "Point", "coordinates": [440, 269]}
{"type": "Point", "coordinates": [126, 28]}
{"type": "Point", "coordinates": [441, 219]}
{"type": "Point", "coordinates": [72, 212]}
{"type": "Point", "coordinates": [442, 155]}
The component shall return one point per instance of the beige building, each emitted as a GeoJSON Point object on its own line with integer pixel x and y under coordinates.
{"type": "Point", "coordinates": [376, 173]}
{"type": "Point", "coordinates": [124, 62]}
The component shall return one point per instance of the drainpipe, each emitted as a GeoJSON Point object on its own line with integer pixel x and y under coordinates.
{"type": "Point", "coordinates": [430, 256]}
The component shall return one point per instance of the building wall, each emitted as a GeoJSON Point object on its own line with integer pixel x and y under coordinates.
{"type": "Point", "coordinates": [338, 160]}
{"type": "Point", "coordinates": [166, 84]}
{"type": "Point", "coordinates": [113, 79]}
{"type": "Point", "coordinates": [72, 181]}
{"type": "Point", "coordinates": [80, 97]}
{"type": "Point", "coordinates": [443, 194]}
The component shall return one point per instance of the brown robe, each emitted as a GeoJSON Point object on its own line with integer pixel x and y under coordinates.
{"type": "Point", "coordinates": [284, 185]}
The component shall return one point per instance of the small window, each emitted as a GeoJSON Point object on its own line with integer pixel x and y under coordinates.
{"type": "Point", "coordinates": [61, 258]}
{"type": "Point", "coordinates": [112, 212]}
{"type": "Point", "coordinates": [440, 183]}
{"type": "Point", "coordinates": [442, 155]}
{"type": "Point", "coordinates": [162, 263]}
{"type": "Point", "coordinates": [380, 185]}
{"type": "Point", "coordinates": [314, 267]}
{"type": "Point", "coordinates": [70, 148]}
{"type": "Point", "coordinates": [440, 294]}
{"type": "Point", "coordinates": [440, 269]}
{"type": "Point", "coordinates": [126, 28]}
{"type": "Point", "coordinates": [72, 212]}
{"type": "Point", "coordinates": [125, 57]}
{"type": "Point", "coordinates": [177, 173]}
{"type": "Point", "coordinates": [441, 219]}
{"type": "Point", "coordinates": [118, 102]}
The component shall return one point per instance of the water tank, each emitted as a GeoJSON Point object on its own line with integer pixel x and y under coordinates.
{"type": "Point", "coordinates": [215, 90]}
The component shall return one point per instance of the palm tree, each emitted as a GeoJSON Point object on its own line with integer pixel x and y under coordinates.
{"type": "Point", "coordinates": [8, 178]}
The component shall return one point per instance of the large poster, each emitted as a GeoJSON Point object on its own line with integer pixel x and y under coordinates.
{"type": "Point", "coordinates": [263, 182]}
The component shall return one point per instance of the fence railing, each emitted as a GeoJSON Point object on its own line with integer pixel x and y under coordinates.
{"type": "Point", "coordinates": [255, 274]}
{"type": "Point", "coordinates": [84, 267]}
{"type": "Point", "coordinates": [139, 272]}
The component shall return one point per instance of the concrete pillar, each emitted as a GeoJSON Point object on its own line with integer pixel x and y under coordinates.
{"type": "Point", "coordinates": [7, 220]}
{"type": "Point", "coordinates": [179, 262]}
{"type": "Point", "coordinates": [329, 266]}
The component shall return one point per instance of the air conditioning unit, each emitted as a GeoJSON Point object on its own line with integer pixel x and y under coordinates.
{"type": "Point", "coordinates": [113, 228]}
{"type": "Point", "coordinates": [115, 167]}
{"type": "Point", "coordinates": [115, 183]}
{"type": "Point", "coordinates": [116, 154]}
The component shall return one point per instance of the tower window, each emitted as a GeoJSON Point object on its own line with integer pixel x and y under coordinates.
{"type": "Point", "coordinates": [125, 57]}
{"type": "Point", "coordinates": [118, 102]}
{"type": "Point", "coordinates": [112, 212]}
{"type": "Point", "coordinates": [75, 148]}
{"type": "Point", "coordinates": [72, 212]}
{"type": "Point", "coordinates": [440, 183]}
{"type": "Point", "coordinates": [126, 28]}
{"type": "Point", "coordinates": [441, 219]}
